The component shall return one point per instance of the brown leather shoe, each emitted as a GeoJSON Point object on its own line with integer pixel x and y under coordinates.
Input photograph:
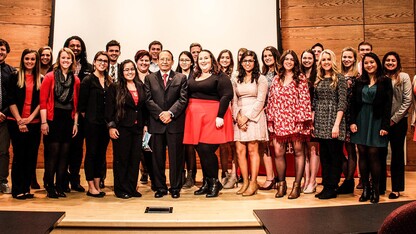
{"type": "Point", "coordinates": [281, 189]}
{"type": "Point", "coordinates": [295, 191]}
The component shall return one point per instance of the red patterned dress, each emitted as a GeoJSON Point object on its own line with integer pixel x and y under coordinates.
{"type": "Point", "coordinates": [289, 114]}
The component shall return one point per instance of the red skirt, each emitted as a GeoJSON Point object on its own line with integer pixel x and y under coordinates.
{"type": "Point", "coordinates": [200, 126]}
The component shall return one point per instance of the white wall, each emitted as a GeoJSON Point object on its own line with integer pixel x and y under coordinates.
{"type": "Point", "coordinates": [215, 24]}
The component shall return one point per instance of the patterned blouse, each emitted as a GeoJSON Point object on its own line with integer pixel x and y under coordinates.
{"type": "Point", "coordinates": [288, 111]}
{"type": "Point", "coordinates": [327, 101]}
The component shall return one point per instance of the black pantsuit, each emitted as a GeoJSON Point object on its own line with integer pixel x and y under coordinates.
{"type": "Point", "coordinates": [96, 138]}
{"type": "Point", "coordinates": [330, 152]}
{"type": "Point", "coordinates": [127, 153]}
{"type": "Point", "coordinates": [176, 159]}
{"type": "Point", "coordinates": [25, 153]}
{"type": "Point", "coordinates": [397, 136]}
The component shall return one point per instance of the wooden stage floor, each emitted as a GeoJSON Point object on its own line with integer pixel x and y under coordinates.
{"type": "Point", "coordinates": [228, 213]}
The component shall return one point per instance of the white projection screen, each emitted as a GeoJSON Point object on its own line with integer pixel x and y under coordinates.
{"type": "Point", "coordinates": [215, 24]}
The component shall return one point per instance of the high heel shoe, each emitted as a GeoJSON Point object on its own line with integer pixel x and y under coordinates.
{"type": "Point", "coordinates": [310, 188]}
{"type": "Point", "coordinates": [243, 187]}
{"type": "Point", "coordinates": [281, 189]}
{"type": "Point", "coordinates": [224, 179]}
{"type": "Point", "coordinates": [214, 187]}
{"type": "Point", "coordinates": [231, 182]}
{"type": "Point", "coordinates": [204, 189]}
{"type": "Point", "coordinates": [270, 186]}
{"type": "Point", "coordinates": [375, 196]}
{"type": "Point", "coordinates": [252, 189]}
{"type": "Point", "coordinates": [295, 193]}
{"type": "Point", "coordinates": [365, 195]}
{"type": "Point", "coordinates": [51, 192]}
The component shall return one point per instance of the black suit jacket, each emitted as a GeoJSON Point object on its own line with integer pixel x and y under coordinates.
{"type": "Point", "coordinates": [381, 105]}
{"type": "Point", "coordinates": [132, 113]}
{"type": "Point", "coordinates": [173, 98]}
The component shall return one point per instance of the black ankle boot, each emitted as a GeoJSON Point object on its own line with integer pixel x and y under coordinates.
{"type": "Point", "coordinates": [51, 192]}
{"type": "Point", "coordinates": [204, 189]}
{"type": "Point", "coordinates": [375, 196]}
{"type": "Point", "coordinates": [214, 187]}
{"type": "Point", "coordinates": [346, 187]}
{"type": "Point", "coordinates": [366, 194]}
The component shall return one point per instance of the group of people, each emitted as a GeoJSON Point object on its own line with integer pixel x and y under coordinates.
{"type": "Point", "coordinates": [250, 113]}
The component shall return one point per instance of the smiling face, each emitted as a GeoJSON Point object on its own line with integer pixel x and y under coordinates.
{"type": "Point", "coordinates": [317, 50]}
{"type": "Point", "coordinates": [307, 59]}
{"type": "Point", "coordinates": [165, 61]}
{"type": "Point", "coordinates": [225, 60]}
{"type": "Point", "coordinates": [143, 64]}
{"type": "Point", "coordinates": [65, 60]}
{"type": "Point", "coordinates": [3, 53]}
{"type": "Point", "coordinates": [348, 59]}
{"type": "Point", "coordinates": [29, 61]}
{"type": "Point", "coordinates": [154, 51]}
{"type": "Point", "coordinates": [113, 52]}
{"type": "Point", "coordinates": [129, 72]}
{"type": "Point", "coordinates": [248, 63]}
{"type": "Point", "coordinates": [184, 62]}
{"type": "Point", "coordinates": [391, 63]}
{"type": "Point", "coordinates": [268, 58]}
{"type": "Point", "coordinates": [326, 62]}
{"type": "Point", "coordinates": [289, 62]}
{"type": "Point", "coordinates": [45, 57]}
{"type": "Point", "coordinates": [101, 63]}
{"type": "Point", "coordinates": [75, 46]}
{"type": "Point", "coordinates": [370, 65]}
{"type": "Point", "coordinates": [204, 62]}
{"type": "Point", "coordinates": [195, 50]}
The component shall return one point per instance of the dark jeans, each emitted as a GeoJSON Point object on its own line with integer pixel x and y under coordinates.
{"type": "Point", "coordinates": [331, 154]}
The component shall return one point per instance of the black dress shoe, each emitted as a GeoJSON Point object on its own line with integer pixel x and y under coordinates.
{"type": "Point", "coordinates": [94, 195]}
{"type": "Point", "coordinates": [78, 188]}
{"type": "Point", "coordinates": [60, 194]}
{"type": "Point", "coordinates": [394, 196]}
{"type": "Point", "coordinates": [123, 196]}
{"type": "Point", "coordinates": [102, 193]}
{"type": "Point", "coordinates": [328, 194]}
{"type": "Point", "coordinates": [160, 193]}
{"type": "Point", "coordinates": [19, 197]}
{"type": "Point", "coordinates": [136, 194]}
{"type": "Point", "coordinates": [29, 195]}
{"type": "Point", "coordinates": [34, 185]}
{"type": "Point", "coordinates": [175, 194]}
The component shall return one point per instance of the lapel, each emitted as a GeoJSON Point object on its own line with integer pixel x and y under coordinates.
{"type": "Point", "coordinates": [159, 79]}
{"type": "Point", "coordinates": [170, 78]}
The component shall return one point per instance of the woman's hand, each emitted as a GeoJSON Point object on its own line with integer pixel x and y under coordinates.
{"type": "Point", "coordinates": [353, 128]}
{"type": "Point", "coordinates": [23, 128]}
{"type": "Point", "coordinates": [383, 132]}
{"type": "Point", "coordinates": [44, 128]}
{"type": "Point", "coordinates": [114, 133]}
{"type": "Point", "coordinates": [219, 122]}
{"type": "Point", "coordinates": [74, 130]}
{"type": "Point", "coordinates": [335, 131]}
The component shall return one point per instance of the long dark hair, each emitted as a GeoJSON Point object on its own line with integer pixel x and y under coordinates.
{"type": "Point", "coordinates": [295, 70]}
{"type": "Point", "coordinates": [394, 75]}
{"type": "Point", "coordinates": [189, 55]}
{"type": "Point", "coordinates": [276, 56]}
{"type": "Point", "coordinates": [255, 74]}
{"type": "Point", "coordinates": [230, 68]}
{"type": "Point", "coordinates": [379, 72]}
{"type": "Point", "coordinates": [215, 68]}
{"type": "Point", "coordinates": [121, 89]}
{"type": "Point", "coordinates": [83, 55]}
{"type": "Point", "coordinates": [312, 76]}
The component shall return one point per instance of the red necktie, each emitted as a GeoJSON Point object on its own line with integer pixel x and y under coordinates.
{"type": "Point", "coordinates": [165, 79]}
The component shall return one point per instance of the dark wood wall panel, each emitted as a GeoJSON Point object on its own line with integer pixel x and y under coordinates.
{"type": "Point", "coordinates": [381, 12]}
{"type": "Point", "coordinates": [313, 13]}
{"type": "Point", "coordinates": [332, 37]}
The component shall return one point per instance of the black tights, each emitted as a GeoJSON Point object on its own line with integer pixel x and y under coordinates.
{"type": "Point", "coordinates": [280, 160]}
{"type": "Point", "coordinates": [208, 158]}
{"type": "Point", "coordinates": [349, 165]}
{"type": "Point", "coordinates": [190, 159]}
{"type": "Point", "coordinates": [370, 163]}
{"type": "Point", "coordinates": [56, 163]}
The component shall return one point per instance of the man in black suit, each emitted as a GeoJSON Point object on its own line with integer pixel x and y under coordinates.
{"type": "Point", "coordinates": [113, 50]}
{"type": "Point", "coordinates": [166, 100]}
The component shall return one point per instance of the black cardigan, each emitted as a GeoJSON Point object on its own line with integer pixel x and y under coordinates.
{"type": "Point", "coordinates": [16, 96]}
{"type": "Point", "coordinates": [381, 105]}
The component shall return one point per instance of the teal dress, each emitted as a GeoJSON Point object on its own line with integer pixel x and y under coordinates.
{"type": "Point", "coordinates": [368, 126]}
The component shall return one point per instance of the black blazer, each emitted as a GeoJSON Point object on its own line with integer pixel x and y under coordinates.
{"type": "Point", "coordinates": [381, 105]}
{"type": "Point", "coordinates": [16, 96]}
{"type": "Point", "coordinates": [6, 72]}
{"type": "Point", "coordinates": [92, 99]}
{"type": "Point", "coordinates": [173, 98]}
{"type": "Point", "coordinates": [132, 113]}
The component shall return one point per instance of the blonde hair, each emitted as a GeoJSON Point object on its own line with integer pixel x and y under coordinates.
{"type": "Point", "coordinates": [354, 66]}
{"type": "Point", "coordinates": [58, 59]}
{"type": "Point", "coordinates": [321, 72]}
{"type": "Point", "coordinates": [35, 70]}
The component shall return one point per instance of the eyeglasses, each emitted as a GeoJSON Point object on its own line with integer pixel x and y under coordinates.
{"type": "Point", "coordinates": [102, 61]}
{"type": "Point", "coordinates": [185, 60]}
{"type": "Point", "coordinates": [248, 61]}
{"type": "Point", "coordinates": [129, 69]}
